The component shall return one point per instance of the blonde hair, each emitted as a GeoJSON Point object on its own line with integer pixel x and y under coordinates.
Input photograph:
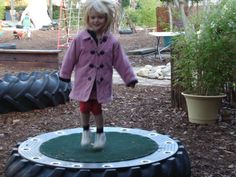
{"type": "Point", "coordinates": [107, 7]}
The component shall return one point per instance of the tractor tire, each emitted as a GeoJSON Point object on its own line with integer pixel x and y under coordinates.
{"type": "Point", "coordinates": [7, 46]}
{"type": "Point", "coordinates": [126, 31]}
{"type": "Point", "coordinates": [171, 165]}
{"type": "Point", "coordinates": [37, 90]}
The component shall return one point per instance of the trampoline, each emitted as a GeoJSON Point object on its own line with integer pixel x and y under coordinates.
{"type": "Point", "coordinates": [128, 152]}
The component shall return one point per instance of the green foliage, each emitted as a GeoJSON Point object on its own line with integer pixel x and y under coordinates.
{"type": "Point", "coordinates": [56, 12]}
{"type": "Point", "coordinates": [145, 13]}
{"type": "Point", "coordinates": [206, 60]}
{"type": "Point", "coordinates": [2, 9]}
{"type": "Point", "coordinates": [167, 1]}
{"type": "Point", "coordinates": [125, 3]}
{"type": "Point", "coordinates": [165, 26]}
{"type": "Point", "coordinates": [171, 1]}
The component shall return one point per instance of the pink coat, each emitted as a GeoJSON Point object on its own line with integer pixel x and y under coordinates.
{"type": "Point", "coordinates": [94, 63]}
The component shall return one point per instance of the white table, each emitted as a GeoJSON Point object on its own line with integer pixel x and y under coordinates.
{"type": "Point", "coordinates": [158, 36]}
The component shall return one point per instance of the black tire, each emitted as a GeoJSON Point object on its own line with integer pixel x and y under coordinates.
{"type": "Point", "coordinates": [37, 90]}
{"type": "Point", "coordinates": [178, 165]}
{"type": "Point", "coordinates": [7, 46]}
{"type": "Point", "coordinates": [126, 31]}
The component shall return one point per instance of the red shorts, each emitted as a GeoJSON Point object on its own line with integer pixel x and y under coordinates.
{"type": "Point", "coordinates": [91, 106]}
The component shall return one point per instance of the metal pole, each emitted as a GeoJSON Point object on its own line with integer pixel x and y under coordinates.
{"type": "Point", "coordinates": [12, 11]}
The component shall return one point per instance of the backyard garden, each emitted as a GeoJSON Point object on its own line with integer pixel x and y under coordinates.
{"type": "Point", "coordinates": [211, 147]}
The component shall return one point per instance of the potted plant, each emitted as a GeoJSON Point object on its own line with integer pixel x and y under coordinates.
{"type": "Point", "coordinates": [205, 60]}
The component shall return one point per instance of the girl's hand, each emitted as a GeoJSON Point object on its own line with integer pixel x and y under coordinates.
{"type": "Point", "coordinates": [132, 83]}
{"type": "Point", "coordinates": [65, 80]}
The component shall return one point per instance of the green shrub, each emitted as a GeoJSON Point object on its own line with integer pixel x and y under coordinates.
{"type": "Point", "coordinates": [2, 9]}
{"type": "Point", "coordinates": [206, 59]}
{"type": "Point", "coordinates": [56, 12]}
{"type": "Point", "coordinates": [144, 14]}
{"type": "Point", "coordinates": [125, 3]}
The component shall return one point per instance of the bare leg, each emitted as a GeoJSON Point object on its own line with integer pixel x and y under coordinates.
{"type": "Point", "coordinates": [99, 121]}
{"type": "Point", "coordinates": [84, 119]}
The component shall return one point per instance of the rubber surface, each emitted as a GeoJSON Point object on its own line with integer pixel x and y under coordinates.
{"type": "Point", "coordinates": [7, 46]}
{"type": "Point", "coordinates": [27, 91]}
{"type": "Point", "coordinates": [119, 147]}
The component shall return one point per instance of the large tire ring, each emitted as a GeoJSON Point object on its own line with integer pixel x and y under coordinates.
{"type": "Point", "coordinates": [37, 90]}
{"type": "Point", "coordinates": [177, 165]}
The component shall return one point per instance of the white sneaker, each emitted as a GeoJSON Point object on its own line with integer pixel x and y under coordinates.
{"type": "Point", "coordinates": [86, 138]}
{"type": "Point", "coordinates": [100, 140]}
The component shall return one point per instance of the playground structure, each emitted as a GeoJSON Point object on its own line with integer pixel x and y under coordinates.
{"type": "Point", "coordinates": [37, 11]}
{"type": "Point", "coordinates": [11, 56]}
{"type": "Point", "coordinates": [71, 12]}
{"type": "Point", "coordinates": [167, 157]}
{"type": "Point", "coordinates": [71, 21]}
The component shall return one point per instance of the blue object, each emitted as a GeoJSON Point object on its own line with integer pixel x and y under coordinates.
{"type": "Point", "coordinates": [167, 40]}
{"type": "Point", "coordinates": [7, 46]}
{"type": "Point", "coordinates": [8, 15]}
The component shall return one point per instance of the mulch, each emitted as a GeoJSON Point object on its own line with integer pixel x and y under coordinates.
{"type": "Point", "coordinates": [211, 148]}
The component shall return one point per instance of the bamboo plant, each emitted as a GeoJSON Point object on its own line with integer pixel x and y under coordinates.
{"type": "Point", "coordinates": [205, 60]}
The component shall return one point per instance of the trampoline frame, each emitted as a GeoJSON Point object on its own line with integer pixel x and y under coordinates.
{"type": "Point", "coordinates": [166, 148]}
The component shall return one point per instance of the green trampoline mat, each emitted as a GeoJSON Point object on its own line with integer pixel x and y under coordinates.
{"type": "Point", "coordinates": [119, 147]}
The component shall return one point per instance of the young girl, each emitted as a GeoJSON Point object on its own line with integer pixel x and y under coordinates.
{"type": "Point", "coordinates": [92, 56]}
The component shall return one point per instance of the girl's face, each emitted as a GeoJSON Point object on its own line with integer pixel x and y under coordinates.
{"type": "Point", "coordinates": [97, 21]}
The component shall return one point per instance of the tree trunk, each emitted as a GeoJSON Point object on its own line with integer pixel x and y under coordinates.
{"type": "Point", "coordinates": [183, 15]}
{"type": "Point", "coordinates": [206, 5]}
{"type": "Point", "coordinates": [50, 9]}
{"type": "Point", "coordinates": [12, 11]}
{"type": "Point", "coordinates": [170, 17]}
{"type": "Point", "coordinates": [188, 28]}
